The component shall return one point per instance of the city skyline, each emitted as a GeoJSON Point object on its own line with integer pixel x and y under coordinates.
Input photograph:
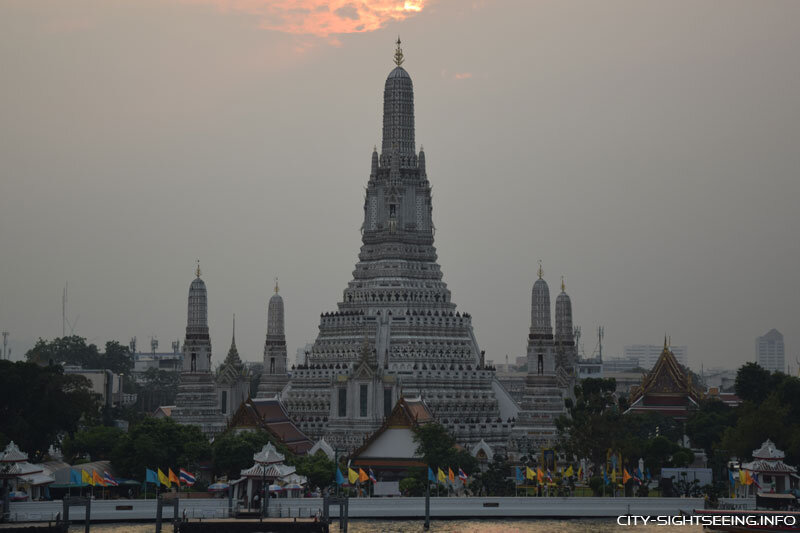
{"type": "Point", "coordinates": [247, 154]}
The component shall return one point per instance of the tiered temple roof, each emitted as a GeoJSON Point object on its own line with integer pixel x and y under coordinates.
{"type": "Point", "coordinates": [666, 389]}
{"type": "Point", "coordinates": [270, 415]}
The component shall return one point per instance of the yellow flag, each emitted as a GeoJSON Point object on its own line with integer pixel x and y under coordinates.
{"type": "Point", "coordinates": [362, 476]}
{"type": "Point", "coordinates": [86, 478]}
{"type": "Point", "coordinates": [441, 475]}
{"type": "Point", "coordinates": [742, 478]}
{"type": "Point", "coordinates": [569, 472]}
{"type": "Point", "coordinates": [613, 476]}
{"type": "Point", "coordinates": [529, 473]}
{"type": "Point", "coordinates": [163, 479]}
{"type": "Point", "coordinates": [580, 472]}
{"type": "Point", "coordinates": [352, 475]}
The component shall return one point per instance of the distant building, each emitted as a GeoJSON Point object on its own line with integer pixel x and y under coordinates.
{"type": "Point", "coordinates": [621, 364]}
{"type": "Point", "coordinates": [104, 383]}
{"type": "Point", "coordinates": [648, 354]}
{"type": "Point", "coordinates": [770, 352]}
{"type": "Point", "coordinates": [593, 367]}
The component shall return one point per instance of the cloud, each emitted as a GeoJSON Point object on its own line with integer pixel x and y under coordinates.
{"type": "Point", "coordinates": [462, 75]}
{"type": "Point", "coordinates": [321, 17]}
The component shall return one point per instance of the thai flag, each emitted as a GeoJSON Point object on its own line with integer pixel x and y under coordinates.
{"type": "Point", "coordinates": [109, 479]}
{"type": "Point", "coordinates": [372, 476]}
{"type": "Point", "coordinates": [549, 476]}
{"type": "Point", "coordinates": [187, 478]}
{"type": "Point", "coordinates": [462, 475]}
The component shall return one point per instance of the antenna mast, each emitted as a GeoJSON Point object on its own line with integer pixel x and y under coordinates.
{"type": "Point", "coordinates": [5, 344]}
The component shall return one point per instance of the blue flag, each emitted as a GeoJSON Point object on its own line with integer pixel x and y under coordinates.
{"type": "Point", "coordinates": [520, 477]}
{"type": "Point", "coordinates": [74, 477]}
{"type": "Point", "coordinates": [431, 475]}
{"type": "Point", "coordinates": [647, 471]}
{"type": "Point", "coordinates": [150, 476]}
{"type": "Point", "coordinates": [731, 478]}
{"type": "Point", "coordinates": [605, 478]}
{"type": "Point", "coordinates": [339, 477]}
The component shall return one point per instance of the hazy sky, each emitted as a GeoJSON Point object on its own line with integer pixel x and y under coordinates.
{"type": "Point", "coordinates": [647, 151]}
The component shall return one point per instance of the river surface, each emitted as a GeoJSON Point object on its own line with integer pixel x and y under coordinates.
{"type": "Point", "coordinates": [452, 526]}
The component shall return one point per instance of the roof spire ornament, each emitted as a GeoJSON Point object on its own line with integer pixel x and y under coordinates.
{"type": "Point", "coordinates": [540, 272]}
{"type": "Point", "coordinates": [563, 287]}
{"type": "Point", "coordinates": [398, 53]}
{"type": "Point", "coordinates": [197, 271]}
{"type": "Point", "coordinates": [276, 284]}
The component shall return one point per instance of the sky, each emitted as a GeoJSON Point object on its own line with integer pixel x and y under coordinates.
{"type": "Point", "coordinates": [647, 151]}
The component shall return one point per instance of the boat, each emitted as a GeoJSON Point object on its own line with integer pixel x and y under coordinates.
{"type": "Point", "coordinates": [775, 512]}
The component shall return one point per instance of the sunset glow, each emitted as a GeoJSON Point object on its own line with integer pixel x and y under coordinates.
{"type": "Point", "coordinates": [320, 17]}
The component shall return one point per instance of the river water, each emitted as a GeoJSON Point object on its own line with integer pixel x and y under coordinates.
{"type": "Point", "coordinates": [453, 526]}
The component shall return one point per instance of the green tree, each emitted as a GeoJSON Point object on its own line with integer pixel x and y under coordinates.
{"type": "Point", "coordinates": [438, 449]}
{"type": "Point", "coordinates": [73, 350]}
{"type": "Point", "coordinates": [97, 442]}
{"type": "Point", "coordinates": [317, 468]}
{"type": "Point", "coordinates": [706, 426]}
{"type": "Point", "coordinates": [159, 443]}
{"type": "Point", "coordinates": [753, 383]}
{"type": "Point", "coordinates": [39, 404]}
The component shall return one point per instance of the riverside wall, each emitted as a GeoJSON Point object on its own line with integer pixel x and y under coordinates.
{"type": "Point", "coordinates": [400, 508]}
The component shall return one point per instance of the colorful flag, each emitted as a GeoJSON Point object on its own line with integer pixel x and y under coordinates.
{"type": "Point", "coordinates": [74, 477]}
{"type": "Point", "coordinates": [605, 477]}
{"type": "Point", "coordinates": [755, 480]}
{"type": "Point", "coordinates": [647, 473]}
{"type": "Point", "coordinates": [614, 476]}
{"type": "Point", "coordinates": [742, 477]}
{"type": "Point", "coordinates": [431, 476]}
{"type": "Point", "coordinates": [529, 473]}
{"type": "Point", "coordinates": [580, 472]}
{"type": "Point", "coordinates": [731, 478]}
{"type": "Point", "coordinates": [639, 476]}
{"type": "Point", "coordinates": [569, 472]}
{"type": "Point", "coordinates": [362, 476]}
{"type": "Point", "coordinates": [173, 478]}
{"type": "Point", "coordinates": [352, 475]}
{"type": "Point", "coordinates": [187, 478]}
{"type": "Point", "coordinates": [372, 476]}
{"type": "Point", "coordinates": [440, 475]}
{"type": "Point", "coordinates": [86, 478]}
{"type": "Point", "coordinates": [109, 479]}
{"type": "Point", "coordinates": [163, 479]}
{"type": "Point", "coordinates": [150, 476]}
{"type": "Point", "coordinates": [625, 475]}
{"type": "Point", "coordinates": [339, 477]}
{"type": "Point", "coordinates": [462, 475]}
{"type": "Point", "coordinates": [97, 479]}
{"type": "Point", "coordinates": [539, 475]}
{"type": "Point", "coordinates": [518, 475]}
{"type": "Point", "coordinates": [450, 475]}
{"type": "Point", "coordinates": [549, 476]}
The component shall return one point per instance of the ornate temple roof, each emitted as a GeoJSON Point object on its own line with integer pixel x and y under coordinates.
{"type": "Point", "coordinates": [270, 415]}
{"type": "Point", "coordinates": [768, 450]}
{"type": "Point", "coordinates": [12, 454]}
{"type": "Point", "coordinates": [406, 415]}
{"type": "Point", "coordinates": [268, 455]}
{"type": "Point", "coordinates": [666, 388]}
{"type": "Point", "coordinates": [541, 326]}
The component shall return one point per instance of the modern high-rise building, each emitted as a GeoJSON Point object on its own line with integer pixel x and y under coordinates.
{"type": "Point", "coordinates": [770, 352]}
{"type": "Point", "coordinates": [648, 354]}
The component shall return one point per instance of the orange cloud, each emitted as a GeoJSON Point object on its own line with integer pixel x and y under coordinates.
{"type": "Point", "coordinates": [322, 17]}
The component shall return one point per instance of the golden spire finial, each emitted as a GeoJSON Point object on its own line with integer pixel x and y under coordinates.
{"type": "Point", "coordinates": [562, 284]}
{"type": "Point", "coordinates": [398, 53]}
{"type": "Point", "coordinates": [541, 271]}
{"type": "Point", "coordinates": [276, 284]}
{"type": "Point", "coordinates": [665, 341]}
{"type": "Point", "coordinates": [198, 268]}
